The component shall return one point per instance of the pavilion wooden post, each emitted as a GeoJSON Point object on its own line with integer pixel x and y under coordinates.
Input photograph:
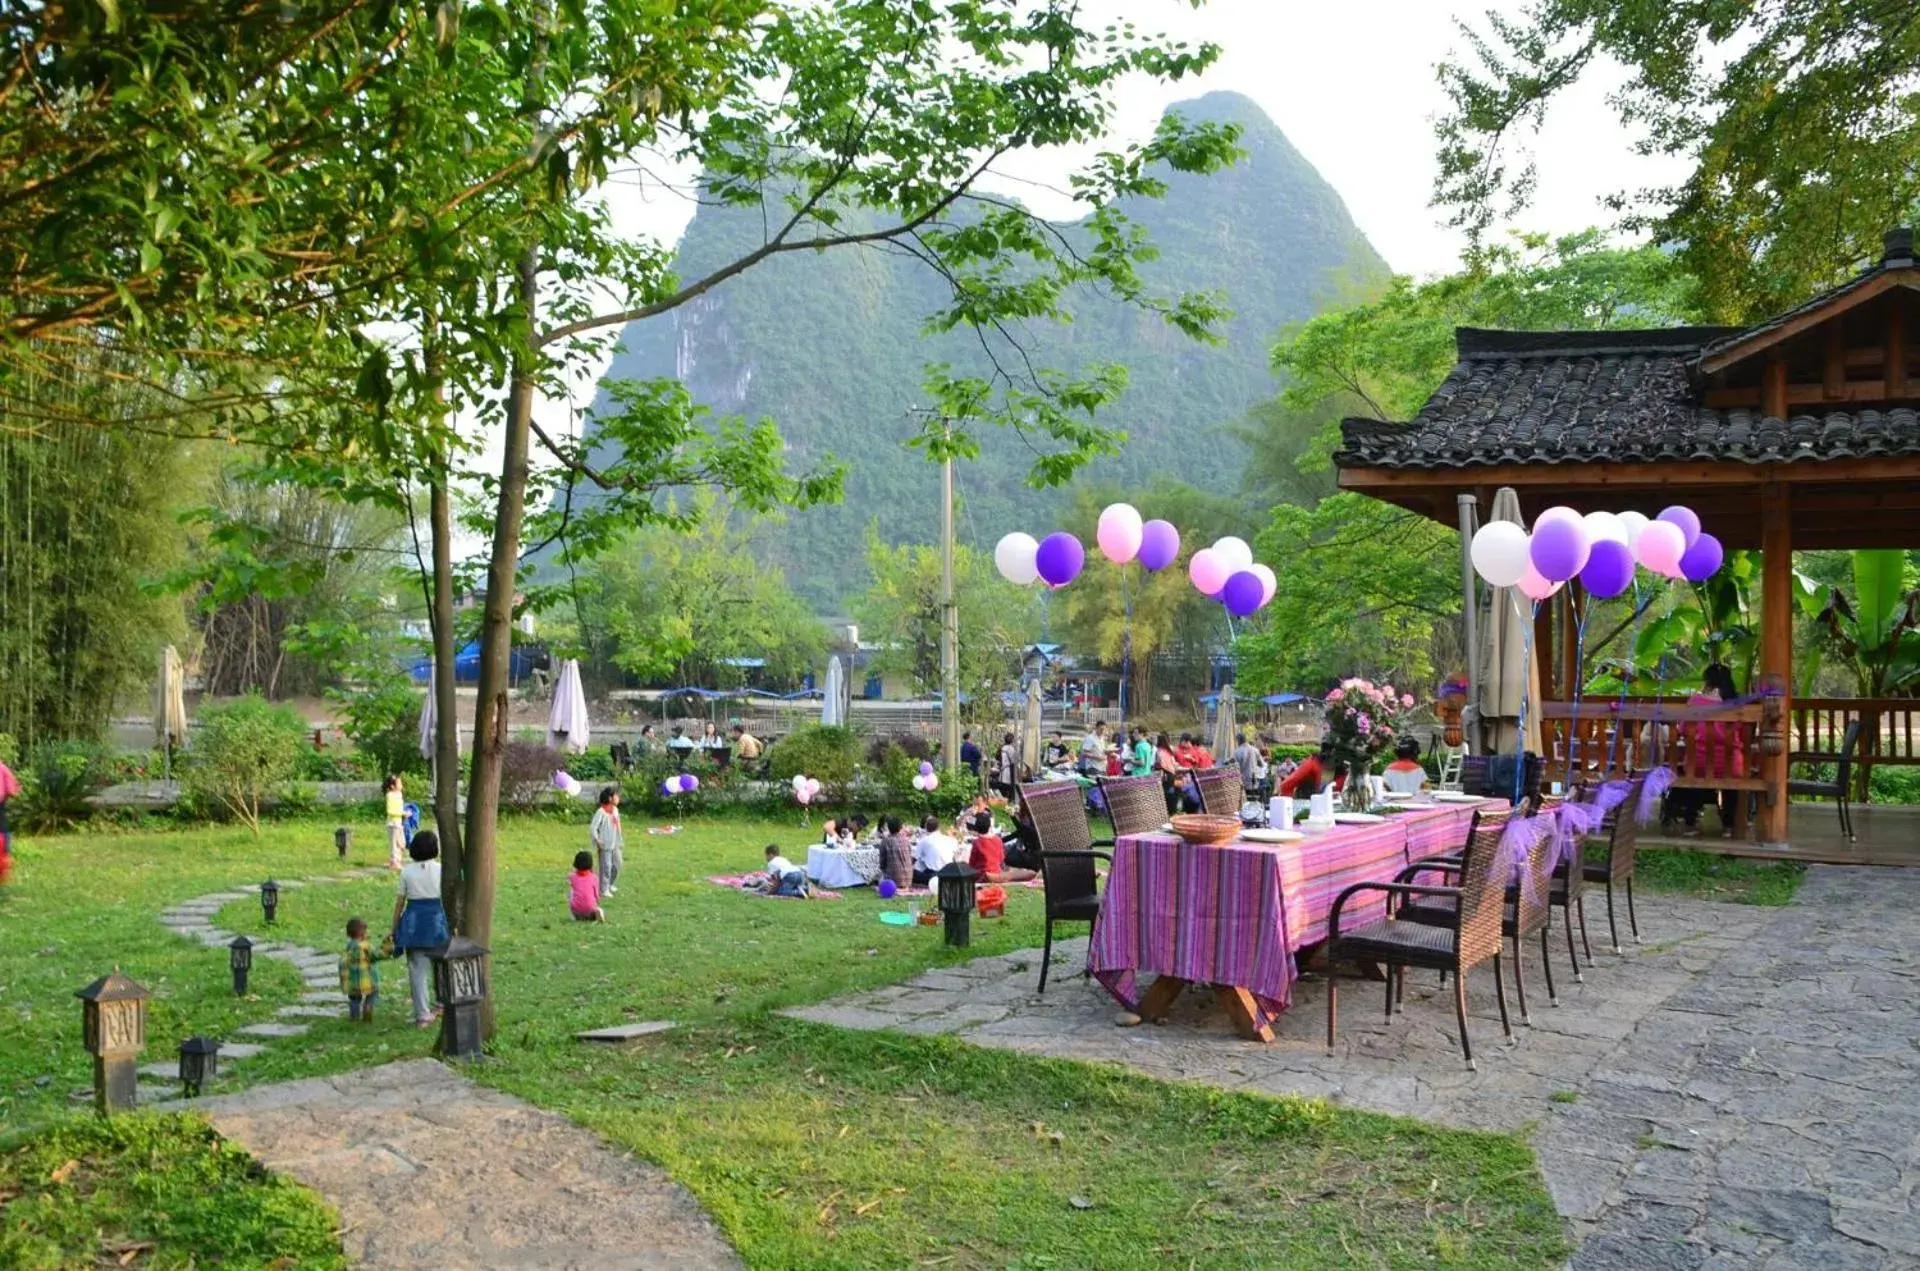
{"type": "Point", "coordinates": [1776, 653]}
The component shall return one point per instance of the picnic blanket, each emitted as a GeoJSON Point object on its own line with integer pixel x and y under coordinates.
{"type": "Point", "coordinates": [738, 882]}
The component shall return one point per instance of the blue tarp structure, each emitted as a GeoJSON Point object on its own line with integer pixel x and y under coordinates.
{"type": "Point", "coordinates": [466, 665]}
{"type": "Point", "coordinates": [1283, 699]}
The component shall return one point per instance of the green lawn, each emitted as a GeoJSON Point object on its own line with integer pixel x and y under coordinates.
{"type": "Point", "coordinates": [812, 1146]}
{"type": "Point", "coordinates": [1716, 877]}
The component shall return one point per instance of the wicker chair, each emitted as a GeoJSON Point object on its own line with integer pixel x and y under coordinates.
{"type": "Point", "coordinates": [1059, 815]}
{"type": "Point", "coordinates": [1623, 842]}
{"type": "Point", "coordinates": [1527, 911]}
{"type": "Point", "coordinates": [1838, 789]}
{"type": "Point", "coordinates": [1221, 792]}
{"type": "Point", "coordinates": [1135, 805]}
{"type": "Point", "coordinates": [1568, 891]}
{"type": "Point", "coordinates": [1471, 937]}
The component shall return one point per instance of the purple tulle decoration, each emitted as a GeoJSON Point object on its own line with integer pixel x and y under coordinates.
{"type": "Point", "coordinates": [1516, 841]}
{"type": "Point", "coordinates": [1659, 781]}
{"type": "Point", "coordinates": [1572, 823]}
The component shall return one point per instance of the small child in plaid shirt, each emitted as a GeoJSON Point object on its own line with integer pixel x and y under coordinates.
{"type": "Point", "coordinates": [359, 978]}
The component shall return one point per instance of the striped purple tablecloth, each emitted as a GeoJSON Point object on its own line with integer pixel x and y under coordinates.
{"type": "Point", "coordinates": [1236, 913]}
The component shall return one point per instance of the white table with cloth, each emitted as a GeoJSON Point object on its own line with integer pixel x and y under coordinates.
{"type": "Point", "coordinates": [843, 866]}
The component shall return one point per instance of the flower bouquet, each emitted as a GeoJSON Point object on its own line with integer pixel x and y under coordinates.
{"type": "Point", "coordinates": [1364, 721]}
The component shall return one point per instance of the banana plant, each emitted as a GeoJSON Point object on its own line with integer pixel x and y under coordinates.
{"type": "Point", "coordinates": [1877, 630]}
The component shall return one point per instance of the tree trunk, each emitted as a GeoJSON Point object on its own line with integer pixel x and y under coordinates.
{"type": "Point", "coordinates": [496, 630]}
{"type": "Point", "coordinates": [446, 739]}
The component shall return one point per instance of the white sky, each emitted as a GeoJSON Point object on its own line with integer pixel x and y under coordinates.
{"type": "Point", "coordinates": [1352, 85]}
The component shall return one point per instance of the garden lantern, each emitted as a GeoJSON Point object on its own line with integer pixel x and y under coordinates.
{"type": "Point", "coordinates": [240, 958]}
{"type": "Point", "coordinates": [460, 982]}
{"type": "Point", "coordinates": [956, 901]}
{"type": "Point", "coordinates": [269, 898]}
{"type": "Point", "coordinates": [199, 1058]}
{"type": "Point", "coordinates": [114, 1012]}
{"type": "Point", "coordinates": [342, 840]}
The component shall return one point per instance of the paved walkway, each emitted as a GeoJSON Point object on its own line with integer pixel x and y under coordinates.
{"type": "Point", "coordinates": [1741, 1091]}
{"type": "Point", "coordinates": [431, 1170]}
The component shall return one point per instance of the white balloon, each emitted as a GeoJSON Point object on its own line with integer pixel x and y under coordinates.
{"type": "Point", "coordinates": [1014, 556]}
{"type": "Point", "coordinates": [1499, 553]}
{"type": "Point", "coordinates": [1268, 583]}
{"type": "Point", "coordinates": [1605, 525]}
{"type": "Point", "coordinates": [1634, 522]}
{"type": "Point", "coordinates": [1235, 552]}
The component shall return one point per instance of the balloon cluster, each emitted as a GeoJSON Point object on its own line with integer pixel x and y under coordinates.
{"type": "Point", "coordinates": [1228, 573]}
{"type": "Point", "coordinates": [685, 783]}
{"type": "Point", "coordinates": [926, 779]}
{"type": "Point", "coordinates": [566, 783]}
{"type": "Point", "coordinates": [1600, 549]}
{"type": "Point", "coordinates": [805, 789]}
{"type": "Point", "coordinates": [1055, 560]}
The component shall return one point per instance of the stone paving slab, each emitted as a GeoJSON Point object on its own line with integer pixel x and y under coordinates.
{"type": "Point", "coordinates": [273, 1030]}
{"type": "Point", "coordinates": [430, 1170]}
{"type": "Point", "coordinates": [1741, 1090]}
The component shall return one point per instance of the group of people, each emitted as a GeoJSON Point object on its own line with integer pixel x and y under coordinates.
{"type": "Point", "coordinates": [913, 856]}
{"type": "Point", "coordinates": [419, 927]}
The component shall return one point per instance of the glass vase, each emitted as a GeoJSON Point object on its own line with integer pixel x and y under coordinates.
{"type": "Point", "coordinates": [1359, 790]}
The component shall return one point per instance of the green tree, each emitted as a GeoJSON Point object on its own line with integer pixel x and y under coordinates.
{"type": "Point", "coordinates": [680, 605]}
{"type": "Point", "coordinates": [899, 613]}
{"type": "Point", "coordinates": [1876, 632]}
{"type": "Point", "coordinates": [243, 751]}
{"type": "Point", "coordinates": [1798, 121]}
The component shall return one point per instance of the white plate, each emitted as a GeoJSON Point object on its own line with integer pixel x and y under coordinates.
{"type": "Point", "coordinates": [1271, 836]}
{"type": "Point", "coordinates": [1357, 818]}
{"type": "Point", "coordinates": [1454, 796]}
{"type": "Point", "coordinates": [1167, 828]}
{"type": "Point", "coordinates": [1399, 796]}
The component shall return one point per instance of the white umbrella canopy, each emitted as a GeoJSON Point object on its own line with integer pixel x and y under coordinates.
{"type": "Point", "coordinates": [1511, 685]}
{"type": "Point", "coordinates": [1030, 728]}
{"type": "Point", "coordinates": [1222, 743]}
{"type": "Point", "coordinates": [567, 726]}
{"type": "Point", "coordinates": [833, 699]}
{"type": "Point", "coordinates": [170, 701]}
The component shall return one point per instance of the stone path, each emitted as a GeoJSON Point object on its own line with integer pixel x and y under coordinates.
{"type": "Point", "coordinates": [431, 1170]}
{"type": "Point", "coordinates": [319, 972]}
{"type": "Point", "coordinates": [1741, 1091]}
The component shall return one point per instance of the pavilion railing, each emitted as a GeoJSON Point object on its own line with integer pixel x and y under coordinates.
{"type": "Point", "coordinates": [1707, 745]}
{"type": "Point", "coordinates": [1890, 729]}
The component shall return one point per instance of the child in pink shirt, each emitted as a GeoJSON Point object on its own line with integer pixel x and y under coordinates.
{"type": "Point", "coordinates": [584, 895]}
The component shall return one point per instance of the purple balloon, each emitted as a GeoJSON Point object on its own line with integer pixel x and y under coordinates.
{"type": "Point", "coordinates": [1159, 545]}
{"type": "Point", "coordinates": [1702, 561]}
{"type": "Point", "coordinates": [1609, 569]}
{"type": "Point", "coordinates": [1060, 558]}
{"type": "Point", "coordinates": [1243, 593]}
{"type": "Point", "coordinates": [888, 889]}
{"type": "Point", "coordinates": [1559, 549]}
{"type": "Point", "coordinates": [1683, 517]}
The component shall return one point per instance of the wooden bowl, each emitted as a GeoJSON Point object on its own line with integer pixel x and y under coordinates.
{"type": "Point", "coordinates": [1206, 829]}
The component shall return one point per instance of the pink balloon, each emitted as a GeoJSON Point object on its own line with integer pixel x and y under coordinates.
{"type": "Point", "coordinates": [804, 795]}
{"type": "Point", "coordinates": [1536, 586]}
{"type": "Point", "coordinates": [1119, 533]}
{"type": "Point", "coordinates": [1661, 546]}
{"type": "Point", "coordinates": [1268, 583]}
{"type": "Point", "coordinates": [1208, 571]}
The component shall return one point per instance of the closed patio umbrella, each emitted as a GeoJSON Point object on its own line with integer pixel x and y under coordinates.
{"type": "Point", "coordinates": [567, 722]}
{"type": "Point", "coordinates": [1511, 685]}
{"type": "Point", "coordinates": [426, 722]}
{"type": "Point", "coordinates": [1030, 728]}
{"type": "Point", "coordinates": [833, 701]}
{"type": "Point", "coordinates": [1222, 741]}
{"type": "Point", "coordinates": [170, 707]}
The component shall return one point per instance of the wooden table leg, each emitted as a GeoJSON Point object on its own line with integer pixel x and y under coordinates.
{"type": "Point", "coordinates": [1243, 1012]}
{"type": "Point", "coordinates": [1158, 999]}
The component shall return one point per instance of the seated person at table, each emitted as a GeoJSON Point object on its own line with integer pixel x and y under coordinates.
{"type": "Point", "coordinates": [1405, 775]}
{"type": "Point", "coordinates": [896, 854]}
{"type": "Point", "coordinates": [1186, 753]}
{"type": "Point", "coordinates": [857, 827]}
{"type": "Point", "coordinates": [1055, 755]}
{"type": "Point", "coordinates": [932, 852]}
{"type": "Point", "coordinates": [1312, 774]}
{"type": "Point", "coordinates": [988, 854]}
{"type": "Point", "coordinates": [784, 878]}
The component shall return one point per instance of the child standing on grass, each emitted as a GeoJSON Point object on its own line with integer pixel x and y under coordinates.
{"type": "Point", "coordinates": [419, 920]}
{"type": "Point", "coordinates": [608, 841]}
{"type": "Point", "coordinates": [359, 977]}
{"type": "Point", "coordinates": [396, 823]}
{"type": "Point", "coordinates": [583, 896]}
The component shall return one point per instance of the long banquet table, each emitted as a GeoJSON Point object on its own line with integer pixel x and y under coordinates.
{"type": "Point", "coordinates": [1233, 915]}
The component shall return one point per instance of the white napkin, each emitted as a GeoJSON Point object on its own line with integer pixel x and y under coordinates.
{"type": "Point", "coordinates": [1280, 812]}
{"type": "Point", "coordinates": [1320, 809]}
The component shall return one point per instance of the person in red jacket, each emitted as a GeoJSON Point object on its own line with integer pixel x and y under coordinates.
{"type": "Point", "coordinates": [1311, 775]}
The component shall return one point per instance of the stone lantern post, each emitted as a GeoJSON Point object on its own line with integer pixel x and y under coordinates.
{"type": "Point", "coordinates": [114, 1013]}
{"type": "Point", "coordinates": [460, 982]}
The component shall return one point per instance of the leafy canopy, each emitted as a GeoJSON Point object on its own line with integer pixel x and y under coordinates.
{"type": "Point", "coordinates": [1799, 121]}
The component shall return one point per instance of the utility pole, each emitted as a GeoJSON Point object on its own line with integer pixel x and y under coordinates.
{"type": "Point", "coordinates": [949, 614]}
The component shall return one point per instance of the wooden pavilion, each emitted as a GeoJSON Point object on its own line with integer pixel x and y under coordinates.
{"type": "Point", "coordinates": [1800, 432]}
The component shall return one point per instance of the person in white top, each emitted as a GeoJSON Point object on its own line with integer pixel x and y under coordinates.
{"type": "Point", "coordinates": [933, 851]}
{"type": "Point", "coordinates": [419, 920]}
{"type": "Point", "coordinates": [1093, 752]}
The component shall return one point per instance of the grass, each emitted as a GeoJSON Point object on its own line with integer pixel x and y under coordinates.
{"type": "Point", "coordinates": [155, 1192]}
{"type": "Point", "coordinates": [1709, 875]}
{"type": "Point", "coordinates": [810, 1145]}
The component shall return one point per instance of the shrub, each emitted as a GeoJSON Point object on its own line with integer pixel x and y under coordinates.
{"type": "Point", "coordinates": [243, 750]}
{"type": "Point", "coordinates": [830, 755]}
{"type": "Point", "coordinates": [526, 773]}
{"type": "Point", "coordinates": [56, 779]}
{"type": "Point", "coordinates": [383, 720]}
